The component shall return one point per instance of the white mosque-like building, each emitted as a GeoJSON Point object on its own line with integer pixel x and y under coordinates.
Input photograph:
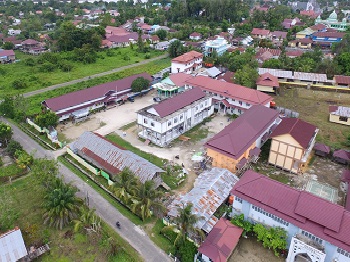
{"type": "Point", "coordinates": [332, 22]}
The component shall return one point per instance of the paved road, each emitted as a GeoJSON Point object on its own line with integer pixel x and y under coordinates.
{"type": "Point", "coordinates": [129, 231]}
{"type": "Point", "coordinates": [115, 70]}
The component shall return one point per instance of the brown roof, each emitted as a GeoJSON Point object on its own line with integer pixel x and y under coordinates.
{"type": "Point", "coordinates": [343, 154]}
{"type": "Point", "coordinates": [30, 42]}
{"type": "Point", "coordinates": [259, 31]}
{"type": "Point", "coordinates": [322, 147]}
{"type": "Point", "coordinates": [274, 52]}
{"type": "Point", "coordinates": [300, 130]}
{"type": "Point", "coordinates": [221, 241]}
{"type": "Point", "coordinates": [234, 91]}
{"type": "Point", "coordinates": [304, 41]}
{"type": "Point", "coordinates": [195, 34]}
{"type": "Point", "coordinates": [95, 92]}
{"type": "Point", "coordinates": [318, 27]}
{"type": "Point", "coordinates": [227, 76]}
{"type": "Point", "coordinates": [180, 79]}
{"type": "Point", "coordinates": [238, 136]}
{"type": "Point", "coordinates": [294, 53]}
{"type": "Point", "coordinates": [344, 80]}
{"type": "Point", "coordinates": [115, 30]}
{"type": "Point", "coordinates": [311, 213]}
{"type": "Point", "coordinates": [187, 57]}
{"type": "Point", "coordinates": [171, 105]}
{"type": "Point", "coordinates": [329, 34]}
{"type": "Point", "coordinates": [279, 34]}
{"type": "Point", "coordinates": [267, 80]}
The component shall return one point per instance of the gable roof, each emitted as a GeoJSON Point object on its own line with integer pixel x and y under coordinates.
{"type": "Point", "coordinates": [173, 104]}
{"type": "Point", "coordinates": [300, 130]}
{"type": "Point", "coordinates": [341, 153]}
{"type": "Point", "coordinates": [322, 147]}
{"type": "Point", "coordinates": [6, 53]}
{"type": "Point", "coordinates": [221, 241]}
{"type": "Point", "coordinates": [329, 34]}
{"type": "Point", "coordinates": [340, 79]}
{"type": "Point", "coordinates": [187, 57]}
{"type": "Point", "coordinates": [195, 34]}
{"type": "Point", "coordinates": [211, 189]}
{"type": "Point", "coordinates": [95, 92]}
{"type": "Point", "coordinates": [12, 247]}
{"type": "Point", "coordinates": [238, 136]}
{"type": "Point", "coordinates": [112, 158]}
{"type": "Point", "coordinates": [279, 34]}
{"type": "Point", "coordinates": [180, 79]}
{"type": "Point", "coordinates": [262, 51]}
{"type": "Point", "coordinates": [234, 91]}
{"type": "Point", "coordinates": [316, 215]}
{"type": "Point", "coordinates": [267, 80]}
{"type": "Point", "coordinates": [30, 42]}
{"type": "Point", "coordinates": [259, 31]}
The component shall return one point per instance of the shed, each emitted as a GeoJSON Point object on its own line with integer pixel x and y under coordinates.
{"type": "Point", "coordinates": [341, 156]}
{"type": "Point", "coordinates": [321, 149]}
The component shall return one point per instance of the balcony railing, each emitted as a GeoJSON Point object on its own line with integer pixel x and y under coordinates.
{"type": "Point", "coordinates": [309, 242]}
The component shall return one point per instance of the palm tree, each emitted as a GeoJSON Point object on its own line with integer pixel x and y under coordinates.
{"type": "Point", "coordinates": [87, 220]}
{"type": "Point", "coordinates": [61, 204]}
{"type": "Point", "coordinates": [145, 200]}
{"type": "Point", "coordinates": [125, 185]}
{"type": "Point", "coordinates": [185, 222]}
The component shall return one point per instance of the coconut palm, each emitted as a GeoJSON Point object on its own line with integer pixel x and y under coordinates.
{"type": "Point", "coordinates": [125, 185]}
{"type": "Point", "coordinates": [185, 223]}
{"type": "Point", "coordinates": [61, 204]}
{"type": "Point", "coordinates": [87, 220]}
{"type": "Point", "coordinates": [145, 200]}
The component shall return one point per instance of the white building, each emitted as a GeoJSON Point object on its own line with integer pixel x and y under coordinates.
{"type": "Point", "coordinates": [166, 121]}
{"type": "Point", "coordinates": [220, 45]}
{"type": "Point", "coordinates": [317, 230]}
{"type": "Point", "coordinates": [187, 63]}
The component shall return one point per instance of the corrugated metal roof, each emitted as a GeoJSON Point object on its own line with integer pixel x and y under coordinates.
{"type": "Point", "coordinates": [112, 155]}
{"type": "Point", "coordinates": [276, 72]}
{"type": "Point", "coordinates": [310, 77]}
{"type": "Point", "coordinates": [12, 247]}
{"type": "Point", "coordinates": [211, 189]}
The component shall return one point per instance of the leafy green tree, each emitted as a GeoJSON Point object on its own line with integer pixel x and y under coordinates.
{"type": "Point", "coordinates": [23, 159]}
{"type": "Point", "coordinates": [29, 62]}
{"type": "Point", "coordinates": [145, 200]}
{"type": "Point", "coordinates": [125, 185]}
{"type": "Point", "coordinates": [8, 45]}
{"type": "Point", "coordinates": [162, 34]}
{"type": "Point", "coordinates": [239, 221]}
{"type": "Point", "coordinates": [176, 49]}
{"type": "Point", "coordinates": [61, 204]}
{"type": "Point", "coordinates": [140, 43]}
{"type": "Point", "coordinates": [45, 170]}
{"type": "Point", "coordinates": [7, 107]}
{"type": "Point", "coordinates": [5, 133]}
{"type": "Point", "coordinates": [88, 221]}
{"type": "Point", "coordinates": [246, 76]}
{"type": "Point", "coordinates": [139, 84]}
{"type": "Point", "coordinates": [344, 62]}
{"type": "Point", "coordinates": [12, 147]}
{"type": "Point", "coordinates": [46, 119]}
{"type": "Point", "coordinates": [273, 63]}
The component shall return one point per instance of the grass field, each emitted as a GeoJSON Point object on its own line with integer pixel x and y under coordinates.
{"type": "Point", "coordinates": [25, 203]}
{"type": "Point", "coordinates": [313, 108]}
{"type": "Point", "coordinates": [38, 80]}
{"type": "Point", "coordinates": [34, 102]}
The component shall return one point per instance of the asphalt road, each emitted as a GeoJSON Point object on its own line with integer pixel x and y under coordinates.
{"type": "Point", "coordinates": [136, 237]}
{"type": "Point", "coordinates": [115, 70]}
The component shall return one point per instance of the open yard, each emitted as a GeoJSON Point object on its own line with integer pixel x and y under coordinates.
{"type": "Point", "coordinates": [37, 79]}
{"type": "Point", "coordinates": [23, 208]}
{"type": "Point", "coordinates": [313, 108]}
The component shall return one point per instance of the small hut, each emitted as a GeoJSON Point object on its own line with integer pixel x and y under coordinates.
{"type": "Point", "coordinates": [341, 156]}
{"type": "Point", "coordinates": [321, 149]}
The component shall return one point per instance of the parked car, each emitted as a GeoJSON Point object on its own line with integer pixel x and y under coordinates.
{"type": "Point", "coordinates": [131, 99]}
{"type": "Point", "coordinates": [157, 99]}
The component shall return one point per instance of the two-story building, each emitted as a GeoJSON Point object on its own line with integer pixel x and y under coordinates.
{"type": "Point", "coordinates": [218, 45]}
{"type": "Point", "coordinates": [259, 34]}
{"type": "Point", "coordinates": [187, 63]}
{"type": "Point", "coordinates": [317, 230]}
{"type": "Point", "coordinates": [326, 39]}
{"type": "Point", "coordinates": [162, 123]}
{"type": "Point", "coordinates": [195, 36]}
{"type": "Point", "coordinates": [229, 98]}
{"type": "Point", "coordinates": [291, 144]}
{"type": "Point", "coordinates": [239, 143]}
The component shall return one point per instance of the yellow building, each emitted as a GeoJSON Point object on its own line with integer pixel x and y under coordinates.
{"type": "Point", "coordinates": [291, 144]}
{"type": "Point", "coordinates": [339, 115]}
{"type": "Point", "coordinates": [239, 143]}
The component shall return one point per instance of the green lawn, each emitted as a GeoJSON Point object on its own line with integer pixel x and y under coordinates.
{"type": "Point", "coordinates": [21, 205]}
{"type": "Point", "coordinates": [10, 170]}
{"type": "Point", "coordinates": [38, 80]}
{"type": "Point", "coordinates": [34, 102]}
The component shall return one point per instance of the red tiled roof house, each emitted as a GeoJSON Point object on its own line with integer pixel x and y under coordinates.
{"type": "Point", "coordinates": [291, 144]}
{"type": "Point", "coordinates": [7, 56]}
{"type": "Point", "coordinates": [267, 83]}
{"type": "Point", "coordinates": [317, 229]}
{"type": "Point", "coordinates": [195, 36]}
{"type": "Point", "coordinates": [239, 143]}
{"type": "Point", "coordinates": [187, 63]}
{"type": "Point", "coordinates": [258, 33]}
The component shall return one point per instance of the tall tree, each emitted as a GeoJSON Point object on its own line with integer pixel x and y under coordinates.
{"type": "Point", "coordinates": [139, 84]}
{"type": "Point", "coordinates": [176, 49]}
{"type": "Point", "coordinates": [46, 119]}
{"type": "Point", "coordinates": [88, 221]}
{"type": "Point", "coordinates": [61, 204]}
{"type": "Point", "coordinates": [125, 185]}
{"type": "Point", "coordinates": [5, 133]}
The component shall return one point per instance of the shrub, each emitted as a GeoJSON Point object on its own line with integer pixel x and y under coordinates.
{"type": "Point", "coordinates": [110, 53]}
{"type": "Point", "coordinates": [126, 58]}
{"type": "Point", "coordinates": [29, 62]}
{"type": "Point", "coordinates": [12, 147]}
{"type": "Point", "coordinates": [147, 56]}
{"type": "Point", "coordinates": [19, 84]}
{"type": "Point", "coordinates": [47, 67]}
{"type": "Point", "coordinates": [187, 251]}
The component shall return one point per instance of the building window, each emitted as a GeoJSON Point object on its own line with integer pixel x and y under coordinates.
{"type": "Point", "coordinates": [181, 117]}
{"type": "Point", "coordinates": [343, 252]}
{"type": "Point", "coordinates": [206, 102]}
{"type": "Point", "coordinates": [201, 105]}
{"type": "Point", "coordinates": [145, 121]}
{"type": "Point", "coordinates": [221, 96]}
{"type": "Point", "coordinates": [169, 123]}
{"type": "Point", "coordinates": [196, 108]}
{"type": "Point", "coordinates": [175, 120]}
{"type": "Point", "coordinates": [238, 199]}
{"type": "Point", "coordinates": [275, 218]}
{"type": "Point", "coordinates": [343, 118]}
{"type": "Point", "coordinates": [240, 102]}
{"type": "Point", "coordinates": [247, 104]}
{"type": "Point", "coordinates": [152, 124]}
{"type": "Point", "coordinates": [311, 236]}
{"type": "Point", "coordinates": [239, 111]}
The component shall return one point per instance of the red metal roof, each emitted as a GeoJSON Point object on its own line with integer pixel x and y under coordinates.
{"type": "Point", "coordinates": [267, 80]}
{"type": "Point", "coordinates": [180, 79]}
{"type": "Point", "coordinates": [343, 154]}
{"type": "Point", "coordinates": [171, 105]}
{"type": "Point", "coordinates": [322, 147]}
{"type": "Point", "coordinates": [229, 90]}
{"type": "Point", "coordinates": [259, 31]}
{"type": "Point", "coordinates": [7, 53]}
{"type": "Point", "coordinates": [187, 57]}
{"type": "Point", "coordinates": [238, 136]}
{"type": "Point", "coordinates": [344, 80]}
{"type": "Point", "coordinates": [294, 53]}
{"type": "Point", "coordinates": [318, 27]}
{"type": "Point", "coordinates": [316, 215]}
{"type": "Point", "coordinates": [329, 34]}
{"type": "Point", "coordinates": [195, 34]}
{"type": "Point", "coordinates": [227, 76]}
{"type": "Point", "coordinates": [221, 241]}
{"type": "Point", "coordinates": [82, 96]}
{"type": "Point", "coordinates": [345, 177]}
{"type": "Point", "coordinates": [300, 130]}
{"type": "Point", "coordinates": [30, 42]}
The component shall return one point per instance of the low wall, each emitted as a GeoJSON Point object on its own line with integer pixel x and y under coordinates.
{"type": "Point", "coordinates": [44, 130]}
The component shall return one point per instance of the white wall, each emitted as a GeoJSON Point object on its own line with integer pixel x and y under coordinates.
{"type": "Point", "coordinates": [180, 67]}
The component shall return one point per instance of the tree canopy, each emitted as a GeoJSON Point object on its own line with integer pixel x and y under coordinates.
{"type": "Point", "coordinates": [46, 119]}
{"type": "Point", "coordinates": [5, 133]}
{"type": "Point", "coordinates": [139, 84]}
